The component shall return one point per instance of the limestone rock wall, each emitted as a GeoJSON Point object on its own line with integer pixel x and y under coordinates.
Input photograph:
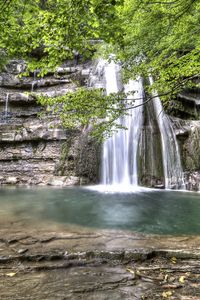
{"type": "Point", "coordinates": [186, 105]}
{"type": "Point", "coordinates": [34, 150]}
{"type": "Point", "coordinates": [150, 168]}
{"type": "Point", "coordinates": [188, 134]}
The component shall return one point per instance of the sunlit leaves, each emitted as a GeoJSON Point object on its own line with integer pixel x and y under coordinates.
{"type": "Point", "coordinates": [46, 33]}
{"type": "Point", "coordinates": [161, 38]}
{"type": "Point", "coordinates": [149, 36]}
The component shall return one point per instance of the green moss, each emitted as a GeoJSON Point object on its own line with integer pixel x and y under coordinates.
{"type": "Point", "coordinates": [61, 166]}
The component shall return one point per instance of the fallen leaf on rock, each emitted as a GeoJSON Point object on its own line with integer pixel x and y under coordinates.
{"type": "Point", "coordinates": [131, 271]}
{"type": "Point", "coordinates": [22, 251]}
{"type": "Point", "coordinates": [167, 294]}
{"type": "Point", "coordinates": [10, 274]}
{"type": "Point", "coordinates": [174, 260]}
{"type": "Point", "coordinates": [166, 278]}
{"type": "Point", "coordinates": [182, 279]}
{"type": "Point", "coordinates": [136, 273]}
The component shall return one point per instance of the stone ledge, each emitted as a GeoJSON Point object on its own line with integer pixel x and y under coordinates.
{"type": "Point", "coordinates": [31, 134]}
{"type": "Point", "coordinates": [31, 85]}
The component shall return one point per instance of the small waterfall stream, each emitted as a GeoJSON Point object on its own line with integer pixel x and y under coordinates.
{"type": "Point", "coordinates": [173, 172]}
{"type": "Point", "coordinates": [6, 108]}
{"type": "Point", "coordinates": [34, 82]}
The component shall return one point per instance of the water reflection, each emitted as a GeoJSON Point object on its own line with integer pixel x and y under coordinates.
{"type": "Point", "coordinates": [162, 212]}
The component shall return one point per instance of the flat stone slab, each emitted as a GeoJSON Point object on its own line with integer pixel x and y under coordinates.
{"type": "Point", "coordinates": [152, 279]}
{"type": "Point", "coordinates": [55, 261]}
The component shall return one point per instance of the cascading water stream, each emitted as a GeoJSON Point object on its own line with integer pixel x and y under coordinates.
{"type": "Point", "coordinates": [173, 172]}
{"type": "Point", "coordinates": [119, 159]}
{"type": "Point", "coordinates": [34, 82]}
{"type": "Point", "coordinates": [6, 108]}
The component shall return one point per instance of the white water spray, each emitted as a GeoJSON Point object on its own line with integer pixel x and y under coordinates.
{"type": "Point", "coordinates": [119, 158]}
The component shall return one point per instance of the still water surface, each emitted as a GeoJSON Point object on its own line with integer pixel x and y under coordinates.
{"type": "Point", "coordinates": [149, 211]}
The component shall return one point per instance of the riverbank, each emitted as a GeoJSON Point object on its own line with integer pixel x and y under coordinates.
{"type": "Point", "coordinates": [51, 261]}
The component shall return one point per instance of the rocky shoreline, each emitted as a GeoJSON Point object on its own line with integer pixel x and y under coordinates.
{"type": "Point", "coordinates": [51, 262]}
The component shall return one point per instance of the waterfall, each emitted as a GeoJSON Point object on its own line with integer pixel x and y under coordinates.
{"type": "Point", "coordinates": [147, 153]}
{"type": "Point", "coordinates": [173, 172]}
{"type": "Point", "coordinates": [119, 157]}
{"type": "Point", "coordinates": [34, 82]}
{"type": "Point", "coordinates": [6, 108]}
{"type": "Point", "coordinates": [32, 86]}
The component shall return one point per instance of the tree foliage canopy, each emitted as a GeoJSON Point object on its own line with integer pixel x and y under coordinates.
{"type": "Point", "coordinates": [162, 38]}
{"type": "Point", "coordinates": [157, 37]}
{"type": "Point", "coordinates": [45, 32]}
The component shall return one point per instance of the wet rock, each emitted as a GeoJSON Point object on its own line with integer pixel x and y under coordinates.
{"type": "Point", "coordinates": [11, 180]}
{"type": "Point", "coordinates": [57, 181]}
{"type": "Point", "coordinates": [192, 180]}
{"type": "Point", "coordinates": [15, 67]}
{"type": "Point", "coordinates": [188, 134]}
{"type": "Point", "coordinates": [191, 153]}
{"type": "Point", "coordinates": [186, 105]}
{"type": "Point", "coordinates": [33, 153]}
{"type": "Point", "coordinates": [22, 251]}
{"type": "Point", "coordinates": [85, 72]}
{"type": "Point", "coordinates": [72, 180]}
{"type": "Point", "coordinates": [159, 186]}
{"type": "Point", "coordinates": [21, 97]}
{"type": "Point", "coordinates": [13, 82]}
{"type": "Point", "coordinates": [52, 94]}
{"type": "Point", "coordinates": [66, 70]}
{"type": "Point", "coordinates": [9, 80]}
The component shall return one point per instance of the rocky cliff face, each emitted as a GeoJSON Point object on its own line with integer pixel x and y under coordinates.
{"type": "Point", "coordinates": [34, 150]}
{"type": "Point", "coordinates": [187, 127]}
{"type": "Point", "coordinates": [188, 134]}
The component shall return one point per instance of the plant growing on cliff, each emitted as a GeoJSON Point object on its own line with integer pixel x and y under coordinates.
{"type": "Point", "coordinates": [87, 107]}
